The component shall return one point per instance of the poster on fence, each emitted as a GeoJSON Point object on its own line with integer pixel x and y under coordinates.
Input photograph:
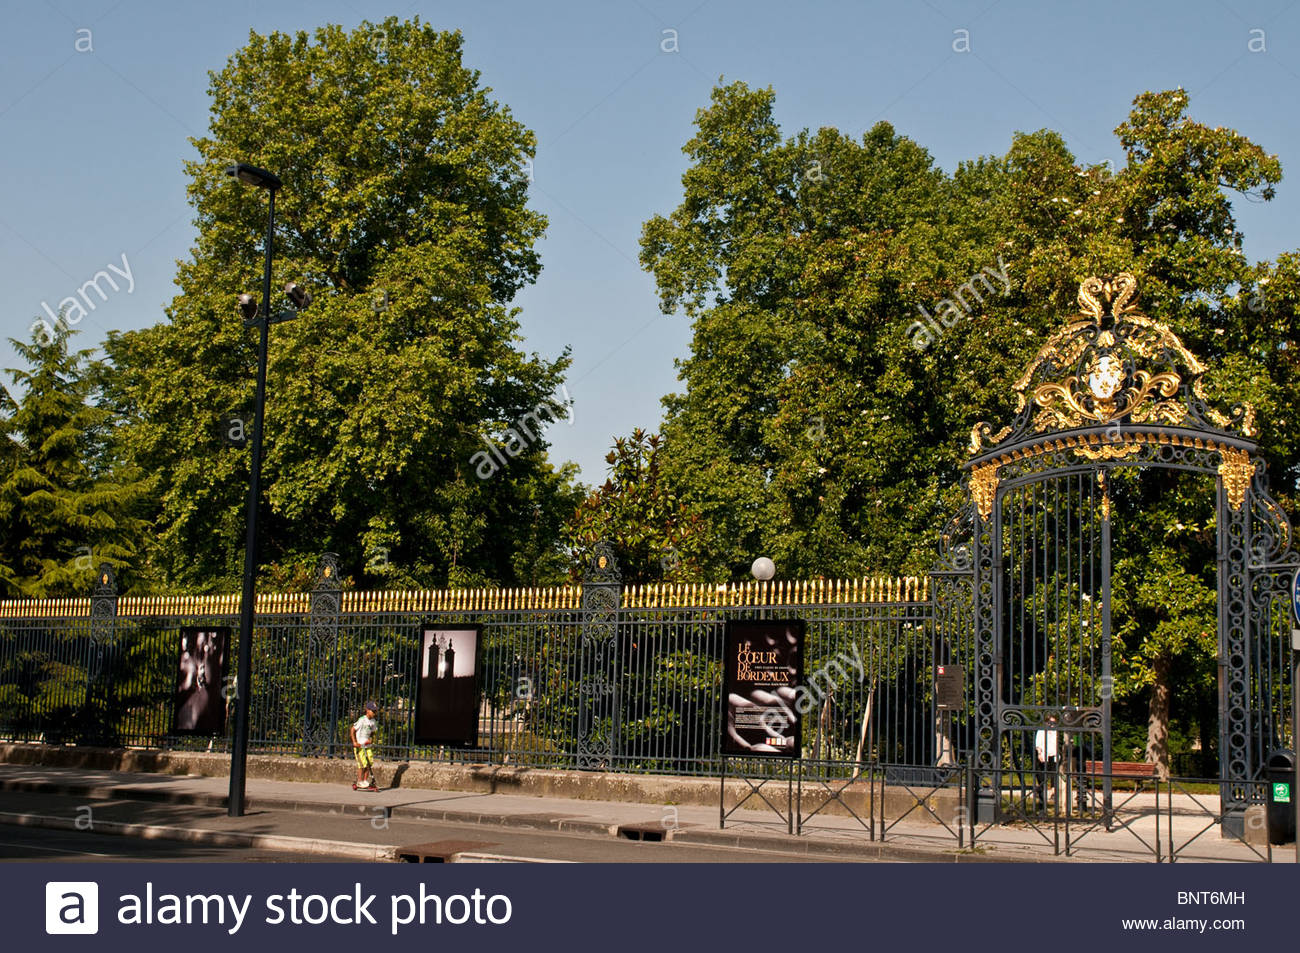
{"type": "Point", "coordinates": [200, 680]}
{"type": "Point", "coordinates": [762, 669]}
{"type": "Point", "coordinates": [446, 708]}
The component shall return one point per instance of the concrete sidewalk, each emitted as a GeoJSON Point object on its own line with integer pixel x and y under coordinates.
{"type": "Point", "coordinates": [330, 814]}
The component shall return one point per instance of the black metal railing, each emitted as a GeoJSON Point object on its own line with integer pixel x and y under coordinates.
{"type": "Point", "coordinates": [564, 682]}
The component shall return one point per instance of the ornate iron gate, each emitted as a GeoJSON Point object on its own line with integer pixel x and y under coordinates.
{"type": "Point", "coordinates": [1025, 570]}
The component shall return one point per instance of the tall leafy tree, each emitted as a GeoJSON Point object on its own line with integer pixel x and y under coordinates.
{"type": "Point", "coordinates": [404, 210]}
{"type": "Point", "coordinates": [66, 503]}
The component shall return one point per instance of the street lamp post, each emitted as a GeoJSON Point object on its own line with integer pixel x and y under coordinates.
{"type": "Point", "coordinates": [239, 748]}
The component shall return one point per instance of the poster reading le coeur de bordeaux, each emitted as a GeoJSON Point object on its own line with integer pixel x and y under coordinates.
{"type": "Point", "coordinates": [762, 669]}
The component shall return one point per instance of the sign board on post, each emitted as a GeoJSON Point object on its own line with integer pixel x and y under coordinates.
{"type": "Point", "coordinates": [762, 671]}
{"type": "Point", "coordinates": [949, 687]}
{"type": "Point", "coordinates": [199, 706]}
{"type": "Point", "coordinates": [447, 705]}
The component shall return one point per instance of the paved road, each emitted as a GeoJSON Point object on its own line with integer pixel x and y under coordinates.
{"type": "Point", "coordinates": [365, 828]}
{"type": "Point", "coordinates": [28, 843]}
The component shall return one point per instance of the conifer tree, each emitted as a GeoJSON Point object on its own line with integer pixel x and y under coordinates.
{"type": "Point", "coordinates": [65, 504]}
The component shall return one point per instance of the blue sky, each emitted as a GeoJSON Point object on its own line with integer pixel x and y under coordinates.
{"type": "Point", "coordinates": [93, 140]}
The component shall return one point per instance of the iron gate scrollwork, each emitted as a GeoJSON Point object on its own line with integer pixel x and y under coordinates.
{"type": "Point", "coordinates": [1024, 571]}
{"type": "Point", "coordinates": [597, 685]}
{"type": "Point", "coordinates": [320, 733]}
{"type": "Point", "coordinates": [99, 665]}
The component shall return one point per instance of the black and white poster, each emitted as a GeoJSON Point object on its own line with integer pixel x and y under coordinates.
{"type": "Point", "coordinates": [762, 671]}
{"type": "Point", "coordinates": [446, 710]}
{"type": "Point", "coordinates": [200, 678]}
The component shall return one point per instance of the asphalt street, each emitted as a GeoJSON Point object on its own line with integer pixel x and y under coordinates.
{"type": "Point", "coordinates": [47, 846]}
{"type": "Point", "coordinates": [367, 826]}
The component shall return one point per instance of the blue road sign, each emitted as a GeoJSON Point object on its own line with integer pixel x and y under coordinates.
{"type": "Point", "coordinates": [1295, 596]}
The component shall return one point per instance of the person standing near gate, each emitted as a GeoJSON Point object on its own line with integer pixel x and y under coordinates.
{"type": "Point", "coordinates": [363, 735]}
{"type": "Point", "coordinates": [1046, 740]}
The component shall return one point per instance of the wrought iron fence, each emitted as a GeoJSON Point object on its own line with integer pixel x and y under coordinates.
{"type": "Point", "coordinates": [591, 676]}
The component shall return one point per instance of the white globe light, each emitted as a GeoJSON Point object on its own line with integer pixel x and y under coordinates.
{"type": "Point", "coordinates": [763, 569]}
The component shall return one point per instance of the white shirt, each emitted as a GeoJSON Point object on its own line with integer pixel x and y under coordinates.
{"type": "Point", "coordinates": [1045, 744]}
{"type": "Point", "coordinates": [365, 727]}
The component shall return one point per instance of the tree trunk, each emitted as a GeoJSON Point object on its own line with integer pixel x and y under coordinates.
{"type": "Point", "coordinates": [1158, 718]}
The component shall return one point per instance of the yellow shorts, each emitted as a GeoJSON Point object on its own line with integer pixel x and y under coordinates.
{"type": "Point", "coordinates": [365, 756]}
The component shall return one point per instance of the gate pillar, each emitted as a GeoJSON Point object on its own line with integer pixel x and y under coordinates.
{"type": "Point", "coordinates": [602, 592]}
{"type": "Point", "coordinates": [321, 702]}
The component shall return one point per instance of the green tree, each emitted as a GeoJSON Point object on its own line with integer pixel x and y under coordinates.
{"type": "Point", "coordinates": [655, 536]}
{"type": "Point", "coordinates": [66, 503]}
{"type": "Point", "coordinates": [404, 210]}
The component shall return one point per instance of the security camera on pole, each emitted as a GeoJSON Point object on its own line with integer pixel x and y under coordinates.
{"type": "Point", "coordinates": [255, 314]}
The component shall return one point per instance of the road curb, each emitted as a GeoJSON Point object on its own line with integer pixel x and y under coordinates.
{"type": "Point", "coordinates": [700, 836]}
{"type": "Point", "coordinates": [877, 850]}
{"type": "Point", "coordinates": [190, 835]}
{"type": "Point", "coordinates": [128, 792]}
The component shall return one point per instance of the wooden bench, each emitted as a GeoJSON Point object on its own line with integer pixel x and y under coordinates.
{"type": "Point", "coordinates": [1139, 771]}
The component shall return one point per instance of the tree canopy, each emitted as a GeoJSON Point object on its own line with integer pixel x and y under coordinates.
{"type": "Point", "coordinates": [405, 211]}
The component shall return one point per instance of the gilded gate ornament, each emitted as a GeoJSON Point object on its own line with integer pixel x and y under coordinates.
{"type": "Point", "coordinates": [1113, 366]}
{"type": "Point", "coordinates": [1236, 471]}
{"type": "Point", "coordinates": [984, 488]}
